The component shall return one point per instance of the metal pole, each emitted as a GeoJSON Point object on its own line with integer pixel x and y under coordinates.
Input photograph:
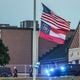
{"type": "Point", "coordinates": [35, 57]}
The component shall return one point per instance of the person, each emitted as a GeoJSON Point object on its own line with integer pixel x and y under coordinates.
{"type": "Point", "coordinates": [30, 71]}
{"type": "Point", "coordinates": [15, 72]}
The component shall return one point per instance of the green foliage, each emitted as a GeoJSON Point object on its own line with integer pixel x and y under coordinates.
{"type": "Point", "coordinates": [4, 55]}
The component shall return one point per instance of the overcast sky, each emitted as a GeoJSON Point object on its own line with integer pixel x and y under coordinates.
{"type": "Point", "coordinates": [14, 11]}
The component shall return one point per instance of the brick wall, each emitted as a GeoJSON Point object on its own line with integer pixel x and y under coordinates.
{"type": "Point", "coordinates": [19, 42]}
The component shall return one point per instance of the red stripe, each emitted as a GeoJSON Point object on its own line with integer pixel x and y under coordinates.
{"type": "Point", "coordinates": [47, 20]}
{"type": "Point", "coordinates": [53, 14]}
{"type": "Point", "coordinates": [59, 31]}
{"type": "Point", "coordinates": [56, 22]}
{"type": "Point", "coordinates": [57, 19]}
{"type": "Point", "coordinates": [51, 38]}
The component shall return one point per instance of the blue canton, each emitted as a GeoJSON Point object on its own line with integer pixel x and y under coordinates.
{"type": "Point", "coordinates": [45, 27]}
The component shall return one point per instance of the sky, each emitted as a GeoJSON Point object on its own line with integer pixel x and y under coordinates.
{"type": "Point", "coordinates": [14, 11]}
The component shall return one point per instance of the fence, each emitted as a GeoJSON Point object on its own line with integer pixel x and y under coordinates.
{"type": "Point", "coordinates": [46, 70]}
{"type": "Point", "coordinates": [23, 70]}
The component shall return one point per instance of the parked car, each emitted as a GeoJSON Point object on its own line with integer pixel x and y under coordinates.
{"type": "Point", "coordinates": [5, 72]}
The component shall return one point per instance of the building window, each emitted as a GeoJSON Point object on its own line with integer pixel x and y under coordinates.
{"type": "Point", "coordinates": [70, 62]}
{"type": "Point", "coordinates": [71, 54]}
{"type": "Point", "coordinates": [77, 61]}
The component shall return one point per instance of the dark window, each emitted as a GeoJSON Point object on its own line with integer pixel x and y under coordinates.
{"type": "Point", "coordinates": [77, 61]}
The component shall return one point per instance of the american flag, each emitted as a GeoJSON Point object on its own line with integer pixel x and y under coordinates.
{"type": "Point", "coordinates": [53, 27]}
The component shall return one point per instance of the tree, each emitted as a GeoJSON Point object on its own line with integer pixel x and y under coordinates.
{"type": "Point", "coordinates": [4, 55]}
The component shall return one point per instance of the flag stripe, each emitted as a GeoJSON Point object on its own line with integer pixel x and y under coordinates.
{"type": "Point", "coordinates": [51, 38]}
{"type": "Point", "coordinates": [56, 19]}
{"type": "Point", "coordinates": [54, 22]}
{"type": "Point", "coordinates": [53, 19]}
{"type": "Point", "coordinates": [58, 35]}
{"type": "Point", "coordinates": [47, 20]}
{"type": "Point", "coordinates": [53, 26]}
{"type": "Point", "coordinates": [59, 31]}
{"type": "Point", "coordinates": [60, 19]}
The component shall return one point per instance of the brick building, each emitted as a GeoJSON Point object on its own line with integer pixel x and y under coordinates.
{"type": "Point", "coordinates": [19, 42]}
{"type": "Point", "coordinates": [74, 49]}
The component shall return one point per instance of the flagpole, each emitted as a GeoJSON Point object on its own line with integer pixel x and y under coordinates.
{"type": "Point", "coordinates": [35, 54]}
